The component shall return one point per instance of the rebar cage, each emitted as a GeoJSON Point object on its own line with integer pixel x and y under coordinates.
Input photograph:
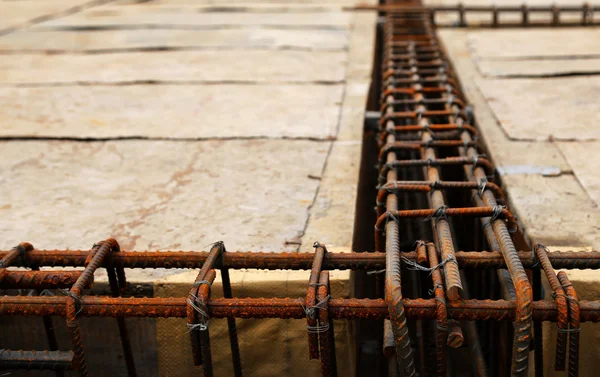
{"type": "Point", "coordinates": [432, 168]}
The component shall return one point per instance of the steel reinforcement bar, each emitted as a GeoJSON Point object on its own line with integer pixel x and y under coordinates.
{"type": "Point", "coordinates": [72, 304]}
{"type": "Point", "coordinates": [425, 121]}
{"type": "Point", "coordinates": [498, 16]}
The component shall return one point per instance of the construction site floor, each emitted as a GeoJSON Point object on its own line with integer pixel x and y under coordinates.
{"type": "Point", "coordinates": [170, 125]}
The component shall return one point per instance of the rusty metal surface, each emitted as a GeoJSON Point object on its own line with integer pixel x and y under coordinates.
{"type": "Point", "coordinates": [554, 14]}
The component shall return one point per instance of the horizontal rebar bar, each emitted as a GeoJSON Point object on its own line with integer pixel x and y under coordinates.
{"type": "Point", "coordinates": [32, 360]}
{"type": "Point", "coordinates": [293, 261]}
{"type": "Point", "coordinates": [291, 308]}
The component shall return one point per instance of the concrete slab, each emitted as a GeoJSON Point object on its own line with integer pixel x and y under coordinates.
{"type": "Point", "coordinates": [510, 155]}
{"type": "Point", "coordinates": [156, 195]}
{"type": "Point", "coordinates": [109, 16]}
{"type": "Point", "coordinates": [554, 210]}
{"type": "Point", "coordinates": [251, 3]}
{"type": "Point", "coordinates": [584, 159]}
{"type": "Point", "coordinates": [175, 66]}
{"type": "Point", "coordinates": [21, 13]}
{"type": "Point", "coordinates": [537, 67]}
{"type": "Point", "coordinates": [557, 108]}
{"type": "Point", "coordinates": [547, 42]}
{"type": "Point", "coordinates": [171, 111]}
{"type": "Point", "coordinates": [118, 40]}
{"type": "Point", "coordinates": [331, 220]}
{"type": "Point", "coordinates": [529, 158]}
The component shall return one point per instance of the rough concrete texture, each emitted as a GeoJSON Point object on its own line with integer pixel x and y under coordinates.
{"type": "Point", "coordinates": [582, 158]}
{"type": "Point", "coordinates": [510, 43]}
{"type": "Point", "coordinates": [174, 66]}
{"type": "Point", "coordinates": [22, 13]}
{"type": "Point", "coordinates": [557, 210]}
{"type": "Point", "coordinates": [124, 39]}
{"type": "Point", "coordinates": [110, 16]}
{"type": "Point", "coordinates": [331, 220]}
{"type": "Point", "coordinates": [534, 109]}
{"type": "Point", "coordinates": [537, 67]}
{"type": "Point", "coordinates": [253, 3]}
{"type": "Point", "coordinates": [541, 158]}
{"type": "Point", "coordinates": [554, 210]}
{"type": "Point", "coordinates": [252, 194]}
{"type": "Point", "coordinates": [172, 111]}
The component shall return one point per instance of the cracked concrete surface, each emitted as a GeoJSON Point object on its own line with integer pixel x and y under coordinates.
{"type": "Point", "coordinates": [155, 137]}
{"type": "Point", "coordinates": [118, 40]}
{"type": "Point", "coordinates": [172, 111]}
{"type": "Point", "coordinates": [542, 109]}
{"type": "Point", "coordinates": [158, 16]}
{"type": "Point", "coordinates": [153, 195]}
{"type": "Point", "coordinates": [225, 66]}
{"type": "Point", "coordinates": [18, 14]}
{"type": "Point", "coordinates": [546, 43]}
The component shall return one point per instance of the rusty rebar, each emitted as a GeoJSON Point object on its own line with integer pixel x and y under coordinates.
{"type": "Point", "coordinates": [295, 261]}
{"type": "Point", "coordinates": [325, 329]}
{"type": "Point", "coordinates": [311, 300]}
{"type": "Point", "coordinates": [574, 321]}
{"type": "Point", "coordinates": [32, 360]}
{"type": "Point", "coordinates": [561, 301]}
{"type": "Point", "coordinates": [441, 314]}
{"type": "Point", "coordinates": [73, 301]}
{"type": "Point", "coordinates": [287, 308]}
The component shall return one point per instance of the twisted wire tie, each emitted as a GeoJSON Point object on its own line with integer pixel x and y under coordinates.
{"type": "Point", "coordinates": [438, 214]}
{"type": "Point", "coordinates": [568, 297]}
{"type": "Point", "coordinates": [432, 290]}
{"type": "Point", "coordinates": [310, 310]}
{"type": "Point", "coordinates": [204, 317]}
{"type": "Point", "coordinates": [317, 244]}
{"type": "Point", "coordinates": [413, 266]}
{"type": "Point", "coordinates": [419, 115]}
{"type": "Point", "coordinates": [436, 185]}
{"type": "Point", "coordinates": [200, 282]}
{"type": "Point", "coordinates": [388, 215]}
{"type": "Point", "coordinates": [481, 185]}
{"type": "Point", "coordinates": [78, 303]}
{"type": "Point", "coordinates": [496, 212]}
{"type": "Point", "coordinates": [535, 257]}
